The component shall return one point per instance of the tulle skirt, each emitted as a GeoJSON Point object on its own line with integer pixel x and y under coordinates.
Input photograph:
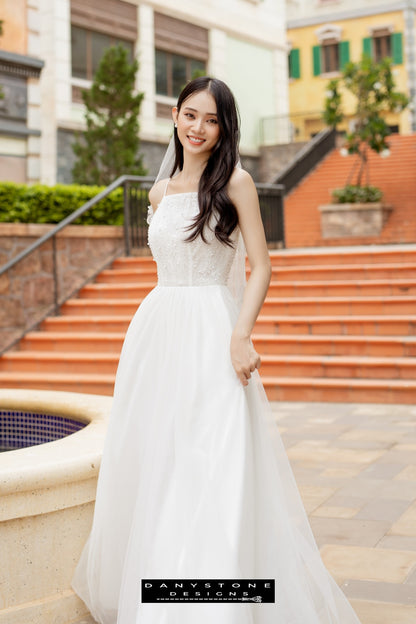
{"type": "Point", "coordinates": [195, 482]}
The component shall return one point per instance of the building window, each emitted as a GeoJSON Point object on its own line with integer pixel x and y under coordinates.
{"type": "Point", "coordinates": [88, 47]}
{"type": "Point", "coordinates": [330, 57]}
{"type": "Point", "coordinates": [382, 47]}
{"type": "Point", "coordinates": [173, 71]}
{"type": "Point", "coordinates": [384, 43]}
{"type": "Point", "coordinates": [181, 53]}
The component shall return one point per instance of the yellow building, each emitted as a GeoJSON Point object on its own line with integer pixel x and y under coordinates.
{"type": "Point", "coordinates": [321, 42]}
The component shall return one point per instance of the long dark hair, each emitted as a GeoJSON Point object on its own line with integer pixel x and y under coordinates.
{"type": "Point", "coordinates": [224, 157]}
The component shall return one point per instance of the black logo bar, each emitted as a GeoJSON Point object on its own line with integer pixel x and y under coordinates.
{"type": "Point", "coordinates": [208, 590]}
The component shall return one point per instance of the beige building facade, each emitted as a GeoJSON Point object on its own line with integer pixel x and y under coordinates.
{"type": "Point", "coordinates": [242, 42]}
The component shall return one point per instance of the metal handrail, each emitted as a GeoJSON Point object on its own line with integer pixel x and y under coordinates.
{"type": "Point", "coordinates": [306, 159]}
{"type": "Point", "coordinates": [135, 233]}
{"type": "Point", "coordinates": [72, 217]}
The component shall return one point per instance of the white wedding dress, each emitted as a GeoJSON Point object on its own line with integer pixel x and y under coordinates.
{"type": "Point", "coordinates": [194, 480]}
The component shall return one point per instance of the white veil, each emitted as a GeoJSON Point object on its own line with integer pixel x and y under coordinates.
{"type": "Point", "coordinates": [236, 281]}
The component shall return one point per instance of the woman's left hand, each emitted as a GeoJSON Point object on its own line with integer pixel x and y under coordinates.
{"type": "Point", "coordinates": [244, 357]}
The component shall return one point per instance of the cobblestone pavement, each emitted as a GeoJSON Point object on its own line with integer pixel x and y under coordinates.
{"type": "Point", "coordinates": [355, 465]}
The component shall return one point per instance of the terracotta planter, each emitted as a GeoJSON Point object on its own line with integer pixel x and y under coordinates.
{"type": "Point", "coordinates": [353, 220]}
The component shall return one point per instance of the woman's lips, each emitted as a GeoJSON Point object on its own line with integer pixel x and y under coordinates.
{"type": "Point", "coordinates": [195, 140]}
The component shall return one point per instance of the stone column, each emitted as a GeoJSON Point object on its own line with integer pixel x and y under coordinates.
{"type": "Point", "coordinates": [145, 78]}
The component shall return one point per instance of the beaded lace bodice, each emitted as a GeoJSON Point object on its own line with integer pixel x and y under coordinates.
{"type": "Point", "coordinates": [181, 263]}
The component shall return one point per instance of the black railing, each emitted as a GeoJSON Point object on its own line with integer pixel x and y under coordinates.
{"type": "Point", "coordinates": [306, 159]}
{"type": "Point", "coordinates": [271, 197]}
{"type": "Point", "coordinates": [36, 282]}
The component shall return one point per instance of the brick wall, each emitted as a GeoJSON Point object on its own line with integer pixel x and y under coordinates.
{"type": "Point", "coordinates": [27, 290]}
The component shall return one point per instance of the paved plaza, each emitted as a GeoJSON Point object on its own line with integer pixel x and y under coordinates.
{"type": "Point", "coordinates": [355, 465]}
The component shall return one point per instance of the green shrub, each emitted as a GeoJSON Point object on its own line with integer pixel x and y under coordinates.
{"type": "Point", "coordinates": [20, 203]}
{"type": "Point", "coordinates": [357, 194]}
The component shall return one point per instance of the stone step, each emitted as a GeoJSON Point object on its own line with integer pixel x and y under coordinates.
{"type": "Point", "coordinates": [64, 382]}
{"type": "Point", "coordinates": [277, 388]}
{"type": "Point", "coordinates": [283, 273]}
{"type": "Point", "coordinates": [353, 367]}
{"type": "Point", "coordinates": [340, 390]}
{"type": "Point", "coordinates": [370, 254]}
{"type": "Point", "coordinates": [359, 325]}
{"type": "Point", "coordinates": [335, 288]}
{"type": "Point", "coordinates": [299, 306]}
{"type": "Point", "coordinates": [266, 344]}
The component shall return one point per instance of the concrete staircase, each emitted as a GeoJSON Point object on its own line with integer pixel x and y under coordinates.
{"type": "Point", "coordinates": [337, 325]}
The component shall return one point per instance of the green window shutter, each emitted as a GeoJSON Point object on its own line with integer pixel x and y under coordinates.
{"type": "Point", "coordinates": [397, 48]}
{"type": "Point", "coordinates": [344, 53]}
{"type": "Point", "coordinates": [368, 46]}
{"type": "Point", "coordinates": [316, 60]}
{"type": "Point", "coordinates": [295, 63]}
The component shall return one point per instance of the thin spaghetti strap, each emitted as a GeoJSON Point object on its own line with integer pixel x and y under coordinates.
{"type": "Point", "coordinates": [166, 187]}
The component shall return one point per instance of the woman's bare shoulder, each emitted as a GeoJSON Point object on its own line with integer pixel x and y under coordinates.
{"type": "Point", "coordinates": [240, 184]}
{"type": "Point", "coordinates": [156, 192]}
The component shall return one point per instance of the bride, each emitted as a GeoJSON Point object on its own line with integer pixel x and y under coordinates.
{"type": "Point", "coordinates": [194, 481]}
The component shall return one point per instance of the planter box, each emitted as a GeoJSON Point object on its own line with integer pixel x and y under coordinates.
{"type": "Point", "coordinates": [353, 220]}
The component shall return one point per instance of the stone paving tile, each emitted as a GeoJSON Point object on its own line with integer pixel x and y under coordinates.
{"type": "Point", "coordinates": [406, 491]}
{"type": "Point", "coordinates": [383, 612]}
{"type": "Point", "coordinates": [389, 510]}
{"type": "Point", "coordinates": [370, 564]}
{"type": "Point", "coordinates": [381, 592]}
{"type": "Point", "coordinates": [348, 531]}
{"type": "Point", "coordinates": [326, 511]}
{"type": "Point", "coordinates": [332, 455]}
{"type": "Point", "coordinates": [406, 524]}
{"type": "Point", "coordinates": [382, 471]}
{"type": "Point", "coordinates": [407, 474]}
{"type": "Point", "coordinates": [398, 542]}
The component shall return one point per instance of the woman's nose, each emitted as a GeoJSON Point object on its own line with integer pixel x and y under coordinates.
{"type": "Point", "coordinates": [199, 125]}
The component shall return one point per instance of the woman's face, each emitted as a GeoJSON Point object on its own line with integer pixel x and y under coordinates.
{"type": "Point", "coordinates": [198, 129]}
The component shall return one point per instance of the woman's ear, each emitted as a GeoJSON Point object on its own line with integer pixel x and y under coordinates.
{"type": "Point", "coordinates": [175, 114]}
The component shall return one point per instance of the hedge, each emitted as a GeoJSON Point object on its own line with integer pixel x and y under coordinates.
{"type": "Point", "coordinates": [38, 203]}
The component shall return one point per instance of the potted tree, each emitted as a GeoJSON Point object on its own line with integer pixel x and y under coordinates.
{"type": "Point", "coordinates": [357, 208]}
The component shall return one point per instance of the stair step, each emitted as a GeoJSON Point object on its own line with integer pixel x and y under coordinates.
{"type": "Point", "coordinates": [370, 346]}
{"type": "Point", "coordinates": [69, 363]}
{"type": "Point", "coordinates": [359, 325]}
{"type": "Point", "coordinates": [104, 323]}
{"type": "Point", "coordinates": [358, 367]}
{"type": "Point", "coordinates": [85, 383]}
{"type": "Point", "coordinates": [335, 288]}
{"type": "Point", "coordinates": [353, 367]}
{"type": "Point", "coordinates": [283, 273]}
{"type": "Point", "coordinates": [318, 325]}
{"type": "Point", "coordinates": [277, 388]}
{"type": "Point", "coordinates": [266, 344]}
{"type": "Point", "coordinates": [371, 254]}
{"type": "Point", "coordinates": [283, 305]}
{"type": "Point", "coordinates": [340, 390]}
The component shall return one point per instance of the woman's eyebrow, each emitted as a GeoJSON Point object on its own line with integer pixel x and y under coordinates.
{"type": "Point", "coordinates": [195, 111]}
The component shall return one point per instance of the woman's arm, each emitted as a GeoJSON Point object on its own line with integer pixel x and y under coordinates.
{"type": "Point", "coordinates": [243, 194]}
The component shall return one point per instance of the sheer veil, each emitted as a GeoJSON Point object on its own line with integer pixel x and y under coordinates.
{"type": "Point", "coordinates": [236, 281]}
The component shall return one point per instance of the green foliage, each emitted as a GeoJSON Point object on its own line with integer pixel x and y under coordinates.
{"type": "Point", "coordinates": [352, 194]}
{"type": "Point", "coordinates": [38, 203]}
{"type": "Point", "coordinates": [373, 87]}
{"type": "Point", "coordinates": [109, 147]}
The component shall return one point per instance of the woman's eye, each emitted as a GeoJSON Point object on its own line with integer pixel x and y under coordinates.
{"type": "Point", "coordinates": [214, 121]}
{"type": "Point", "coordinates": [188, 115]}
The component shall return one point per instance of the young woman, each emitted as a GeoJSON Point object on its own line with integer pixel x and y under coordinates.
{"type": "Point", "coordinates": [194, 481]}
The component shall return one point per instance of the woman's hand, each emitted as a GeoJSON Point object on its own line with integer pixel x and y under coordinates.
{"type": "Point", "coordinates": [244, 357]}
